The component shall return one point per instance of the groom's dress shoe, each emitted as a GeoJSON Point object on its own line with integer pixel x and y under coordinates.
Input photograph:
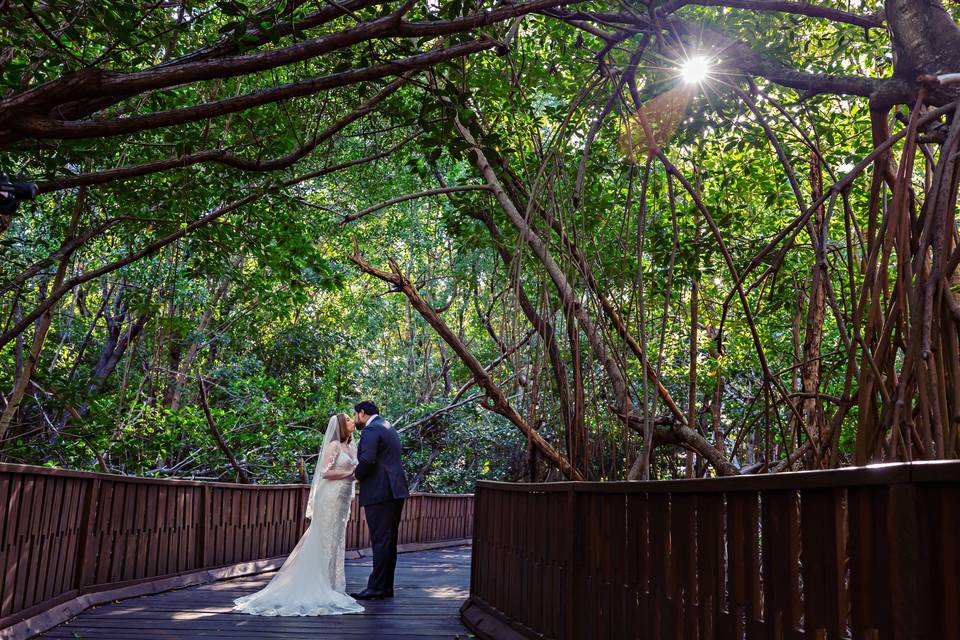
{"type": "Point", "coordinates": [388, 593]}
{"type": "Point", "coordinates": [367, 594]}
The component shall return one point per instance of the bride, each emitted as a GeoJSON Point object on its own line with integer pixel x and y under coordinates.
{"type": "Point", "coordinates": [311, 581]}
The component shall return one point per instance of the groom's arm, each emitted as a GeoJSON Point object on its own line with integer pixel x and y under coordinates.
{"type": "Point", "coordinates": [367, 454]}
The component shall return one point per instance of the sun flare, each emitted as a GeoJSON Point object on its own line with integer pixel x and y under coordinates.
{"type": "Point", "coordinates": [695, 70]}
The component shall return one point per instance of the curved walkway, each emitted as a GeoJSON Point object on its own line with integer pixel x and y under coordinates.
{"type": "Point", "coordinates": [431, 586]}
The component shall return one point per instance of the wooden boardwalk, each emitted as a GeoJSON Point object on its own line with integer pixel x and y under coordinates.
{"type": "Point", "coordinates": [431, 586]}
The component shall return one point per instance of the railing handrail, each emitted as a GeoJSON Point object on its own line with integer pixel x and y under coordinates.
{"type": "Point", "coordinates": [871, 475]}
{"type": "Point", "coordinates": [116, 477]}
{"type": "Point", "coordinates": [6, 467]}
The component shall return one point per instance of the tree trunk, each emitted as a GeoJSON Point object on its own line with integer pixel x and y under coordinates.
{"type": "Point", "coordinates": [813, 332]}
{"type": "Point", "coordinates": [242, 474]}
{"type": "Point", "coordinates": [115, 345]}
{"type": "Point", "coordinates": [694, 353]}
{"type": "Point", "coordinates": [42, 326]}
{"type": "Point", "coordinates": [183, 366]}
{"type": "Point", "coordinates": [926, 40]}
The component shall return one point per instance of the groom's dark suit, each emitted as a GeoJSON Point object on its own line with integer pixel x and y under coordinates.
{"type": "Point", "coordinates": [383, 488]}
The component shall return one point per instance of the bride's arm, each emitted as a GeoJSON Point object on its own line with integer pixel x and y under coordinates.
{"type": "Point", "coordinates": [329, 459]}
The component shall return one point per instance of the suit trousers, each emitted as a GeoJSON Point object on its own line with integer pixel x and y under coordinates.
{"type": "Point", "coordinates": [383, 521]}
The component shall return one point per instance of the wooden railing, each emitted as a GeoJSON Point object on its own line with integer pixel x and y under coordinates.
{"type": "Point", "coordinates": [67, 533]}
{"type": "Point", "coordinates": [869, 553]}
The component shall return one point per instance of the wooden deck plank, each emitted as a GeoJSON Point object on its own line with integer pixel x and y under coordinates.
{"type": "Point", "coordinates": [431, 586]}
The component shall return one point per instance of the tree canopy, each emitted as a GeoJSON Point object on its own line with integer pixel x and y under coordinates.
{"type": "Point", "coordinates": [553, 239]}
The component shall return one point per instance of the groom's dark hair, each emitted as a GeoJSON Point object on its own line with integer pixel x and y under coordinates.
{"type": "Point", "coordinates": [367, 407]}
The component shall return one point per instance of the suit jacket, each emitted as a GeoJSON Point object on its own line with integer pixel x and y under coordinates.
{"type": "Point", "coordinates": [380, 471]}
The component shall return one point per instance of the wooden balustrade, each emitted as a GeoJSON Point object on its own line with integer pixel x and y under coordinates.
{"type": "Point", "coordinates": [868, 553]}
{"type": "Point", "coordinates": [68, 533]}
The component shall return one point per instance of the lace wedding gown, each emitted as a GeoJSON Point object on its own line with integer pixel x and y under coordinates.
{"type": "Point", "coordinates": [311, 581]}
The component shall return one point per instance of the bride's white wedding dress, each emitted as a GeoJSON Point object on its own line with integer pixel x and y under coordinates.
{"type": "Point", "coordinates": [311, 581]}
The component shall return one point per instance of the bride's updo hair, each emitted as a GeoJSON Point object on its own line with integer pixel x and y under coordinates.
{"type": "Point", "coordinates": [345, 435]}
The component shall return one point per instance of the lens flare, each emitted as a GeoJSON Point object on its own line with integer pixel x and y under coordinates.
{"type": "Point", "coordinates": [695, 70]}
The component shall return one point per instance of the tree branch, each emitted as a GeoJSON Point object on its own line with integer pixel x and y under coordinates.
{"type": "Point", "coordinates": [96, 83]}
{"type": "Point", "coordinates": [76, 109]}
{"type": "Point", "coordinates": [439, 412]}
{"type": "Point", "coordinates": [411, 196]}
{"type": "Point", "coordinates": [224, 157]}
{"type": "Point", "coordinates": [798, 8]}
{"type": "Point", "coordinates": [221, 443]}
{"type": "Point", "coordinates": [737, 55]}
{"type": "Point", "coordinates": [681, 434]}
{"type": "Point", "coordinates": [39, 126]}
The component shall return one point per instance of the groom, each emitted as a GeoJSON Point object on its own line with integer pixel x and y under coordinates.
{"type": "Point", "coordinates": [383, 488]}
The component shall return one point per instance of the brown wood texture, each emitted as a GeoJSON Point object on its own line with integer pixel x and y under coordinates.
{"type": "Point", "coordinates": [67, 533]}
{"type": "Point", "coordinates": [430, 587]}
{"type": "Point", "coordinates": [866, 553]}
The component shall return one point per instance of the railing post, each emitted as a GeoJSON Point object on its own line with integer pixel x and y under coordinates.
{"type": "Point", "coordinates": [302, 496]}
{"type": "Point", "coordinates": [908, 571]}
{"type": "Point", "coordinates": [573, 564]}
{"type": "Point", "coordinates": [87, 521]}
{"type": "Point", "coordinates": [473, 555]}
{"type": "Point", "coordinates": [202, 526]}
{"type": "Point", "coordinates": [418, 503]}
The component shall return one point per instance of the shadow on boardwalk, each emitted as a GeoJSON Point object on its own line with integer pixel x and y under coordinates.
{"type": "Point", "coordinates": [431, 586]}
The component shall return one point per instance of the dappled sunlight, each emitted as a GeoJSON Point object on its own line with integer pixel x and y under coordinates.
{"type": "Point", "coordinates": [447, 593]}
{"type": "Point", "coordinates": [198, 615]}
